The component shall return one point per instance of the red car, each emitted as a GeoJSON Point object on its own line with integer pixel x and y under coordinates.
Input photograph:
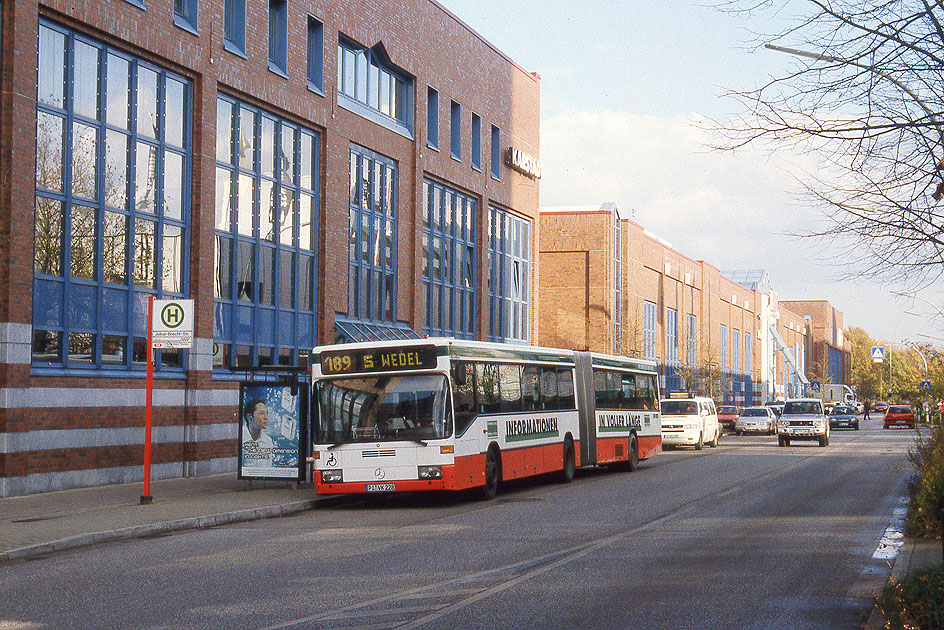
{"type": "Point", "coordinates": [727, 416]}
{"type": "Point", "coordinates": [898, 415]}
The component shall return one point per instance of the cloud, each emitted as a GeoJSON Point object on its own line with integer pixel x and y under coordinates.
{"type": "Point", "coordinates": [735, 210]}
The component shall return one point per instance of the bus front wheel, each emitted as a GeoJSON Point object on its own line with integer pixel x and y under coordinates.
{"type": "Point", "coordinates": [570, 462]}
{"type": "Point", "coordinates": [633, 462]}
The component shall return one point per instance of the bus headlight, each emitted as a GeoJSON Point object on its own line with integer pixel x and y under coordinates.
{"type": "Point", "coordinates": [430, 472]}
{"type": "Point", "coordinates": [331, 476]}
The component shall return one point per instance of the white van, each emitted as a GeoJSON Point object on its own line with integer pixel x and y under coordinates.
{"type": "Point", "coordinates": [689, 422]}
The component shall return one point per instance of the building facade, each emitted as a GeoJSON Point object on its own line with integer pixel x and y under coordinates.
{"type": "Point", "coordinates": [831, 356]}
{"type": "Point", "coordinates": [609, 285]}
{"type": "Point", "coordinates": [306, 172]}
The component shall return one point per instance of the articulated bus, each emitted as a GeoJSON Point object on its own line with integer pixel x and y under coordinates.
{"type": "Point", "coordinates": [444, 414]}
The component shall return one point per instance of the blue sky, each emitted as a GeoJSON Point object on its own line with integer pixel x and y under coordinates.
{"type": "Point", "coordinates": [626, 87]}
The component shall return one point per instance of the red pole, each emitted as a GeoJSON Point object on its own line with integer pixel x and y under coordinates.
{"type": "Point", "coordinates": [146, 495]}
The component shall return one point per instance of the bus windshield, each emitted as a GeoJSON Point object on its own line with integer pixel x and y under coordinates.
{"type": "Point", "coordinates": [383, 409]}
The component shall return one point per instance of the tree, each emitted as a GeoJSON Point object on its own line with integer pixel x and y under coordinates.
{"type": "Point", "coordinates": [866, 95]}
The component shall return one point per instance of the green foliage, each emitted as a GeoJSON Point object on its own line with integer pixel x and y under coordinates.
{"type": "Point", "coordinates": [916, 602]}
{"type": "Point", "coordinates": [927, 489]}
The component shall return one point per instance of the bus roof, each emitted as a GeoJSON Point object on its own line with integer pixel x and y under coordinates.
{"type": "Point", "coordinates": [462, 348]}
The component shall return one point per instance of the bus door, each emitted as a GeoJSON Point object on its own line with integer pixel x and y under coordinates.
{"type": "Point", "coordinates": [586, 408]}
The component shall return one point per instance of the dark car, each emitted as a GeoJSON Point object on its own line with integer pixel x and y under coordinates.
{"type": "Point", "coordinates": [727, 416]}
{"type": "Point", "coordinates": [898, 416]}
{"type": "Point", "coordinates": [880, 406]}
{"type": "Point", "coordinates": [843, 417]}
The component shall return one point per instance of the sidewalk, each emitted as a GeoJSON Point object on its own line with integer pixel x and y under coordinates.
{"type": "Point", "coordinates": [52, 521]}
{"type": "Point", "coordinates": [915, 554]}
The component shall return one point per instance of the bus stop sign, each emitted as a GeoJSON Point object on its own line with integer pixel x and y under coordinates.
{"type": "Point", "coordinates": [173, 324]}
{"type": "Point", "coordinates": [878, 354]}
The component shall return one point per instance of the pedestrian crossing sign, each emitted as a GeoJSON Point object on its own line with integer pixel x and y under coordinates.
{"type": "Point", "coordinates": [878, 354]}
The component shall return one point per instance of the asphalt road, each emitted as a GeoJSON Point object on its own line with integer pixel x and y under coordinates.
{"type": "Point", "coordinates": [747, 535]}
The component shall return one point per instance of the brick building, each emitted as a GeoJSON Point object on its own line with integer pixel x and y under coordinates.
{"type": "Point", "coordinates": [306, 172]}
{"type": "Point", "coordinates": [609, 285]}
{"type": "Point", "coordinates": [831, 353]}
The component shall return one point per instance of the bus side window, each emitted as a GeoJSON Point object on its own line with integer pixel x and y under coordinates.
{"type": "Point", "coordinates": [530, 391]}
{"type": "Point", "coordinates": [486, 388]}
{"type": "Point", "coordinates": [510, 386]}
{"type": "Point", "coordinates": [463, 395]}
{"type": "Point", "coordinates": [565, 389]}
{"type": "Point", "coordinates": [549, 389]}
{"type": "Point", "coordinates": [628, 392]}
{"type": "Point", "coordinates": [599, 389]}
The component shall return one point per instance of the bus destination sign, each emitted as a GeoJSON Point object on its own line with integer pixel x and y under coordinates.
{"type": "Point", "coordinates": [378, 360]}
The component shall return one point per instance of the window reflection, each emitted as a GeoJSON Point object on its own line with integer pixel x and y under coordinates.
{"type": "Point", "coordinates": [145, 190]}
{"type": "Point", "coordinates": [116, 109]}
{"type": "Point", "coordinates": [147, 121]}
{"type": "Point", "coordinates": [116, 169]}
{"type": "Point", "coordinates": [49, 141]}
{"type": "Point", "coordinates": [82, 244]}
{"type": "Point", "coordinates": [173, 185]}
{"type": "Point", "coordinates": [52, 61]}
{"type": "Point", "coordinates": [144, 254]}
{"type": "Point", "coordinates": [115, 238]}
{"type": "Point", "coordinates": [172, 253]}
{"type": "Point", "coordinates": [48, 237]}
{"type": "Point", "coordinates": [84, 171]}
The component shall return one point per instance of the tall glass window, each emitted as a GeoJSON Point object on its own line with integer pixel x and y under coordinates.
{"type": "Point", "coordinates": [495, 150]}
{"type": "Point", "coordinates": [692, 341]}
{"type": "Point", "coordinates": [449, 255]}
{"type": "Point", "coordinates": [509, 286]}
{"type": "Point", "coordinates": [748, 371]}
{"type": "Point", "coordinates": [185, 14]}
{"type": "Point", "coordinates": [723, 351]}
{"type": "Point", "coordinates": [476, 141]}
{"type": "Point", "coordinates": [372, 248]}
{"type": "Point", "coordinates": [113, 163]}
{"type": "Point", "coordinates": [266, 234]}
{"type": "Point", "coordinates": [432, 118]}
{"type": "Point", "coordinates": [278, 35]}
{"type": "Point", "coordinates": [649, 322]}
{"type": "Point", "coordinates": [618, 286]}
{"type": "Point", "coordinates": [366, 77]}
{"type": "Point", "coordinates": [672, 349]}
{"type": "Point", "coordinates": [234, 25]}
{"type": "Point", "coordinates": [736, 358]}
{"type": "Point", "coordinates": [455, 130]}
{"type": "Point", "coordinates": [315, 53]}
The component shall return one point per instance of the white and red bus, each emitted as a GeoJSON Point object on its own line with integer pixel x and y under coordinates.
{"type": "Point", "coordinates": [444, 414]}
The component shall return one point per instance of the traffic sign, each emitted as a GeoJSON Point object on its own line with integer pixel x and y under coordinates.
{"type": "Point", "coordinates": [925, 384]}
{"type": "Point", "coordinates": [814, 385]}
{"type": "Point", "coordinates": [878, 354]}
{"type": "Point", "coordinates": [173, 324]}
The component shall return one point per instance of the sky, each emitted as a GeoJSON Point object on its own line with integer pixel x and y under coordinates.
{"type": "Point", "coordinates": [626, 89]}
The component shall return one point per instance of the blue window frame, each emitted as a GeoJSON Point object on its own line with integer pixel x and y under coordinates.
{"type": "Point", "coordinates": [672, 349]}
{"type": "Point", "coordinates": [234, 26]}
{"type": "Point", "coordinates": [455, 130]}
{"type": "Point", "coordinates": [371, 86]}
{"type": "Point", "coordinates": [495, 147]}
{"type": "Point", "coordinates": [450, 253]}
{"type": "Point", "coordinates": [432, 118]}
{"type": "Point", "coordinates": [185, 14]}
{"type": "Point", "coordinates": [265, 268]}
{"type": "Point", "coordinates": [113, 163]}
{"type": "Point", "coordinates": [372, 248]}
{"type": "Point", "coordinates": [509, 286]}
{"type": "Point", "coordinates": [315, 54]}
{"type": "Point", "coordinates": [476, 141]}
{"type": "Point", "coordinates": [649, 317]}
{"type": "Point", "coordinates": [278, 36]}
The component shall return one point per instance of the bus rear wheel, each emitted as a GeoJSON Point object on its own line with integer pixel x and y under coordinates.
{"type": "Point", "coordinates": [492, 474]}
{"type": "Point", "coordinates": [570, 462]}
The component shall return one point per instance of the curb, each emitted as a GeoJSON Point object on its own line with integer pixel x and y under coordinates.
{"type": "Point", "coordinates": [153, 529]}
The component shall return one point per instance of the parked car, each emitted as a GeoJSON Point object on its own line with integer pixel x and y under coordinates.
{"type": "Point", "coordinates": [776, 405]}
{"type": "Point", "coordinates": [756, 420]}
{"type": "Point", "coordinates": [898, 416]}
{"type": "Point", "coordinates": [727, 416]}
{"type": "Point", "coordinates": [843, 417]}
{"type": "Point", "coordinates": [881, 406]}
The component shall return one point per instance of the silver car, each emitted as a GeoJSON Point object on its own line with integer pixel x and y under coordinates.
{"type": "Point", "coordinates": [756, 420]}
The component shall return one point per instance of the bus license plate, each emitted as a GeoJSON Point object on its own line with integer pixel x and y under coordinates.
{"type": "Point", "coordinates": [380, 487]}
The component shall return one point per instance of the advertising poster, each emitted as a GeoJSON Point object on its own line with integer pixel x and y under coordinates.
{"type": "Point", "coordinates": [272, 431]}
